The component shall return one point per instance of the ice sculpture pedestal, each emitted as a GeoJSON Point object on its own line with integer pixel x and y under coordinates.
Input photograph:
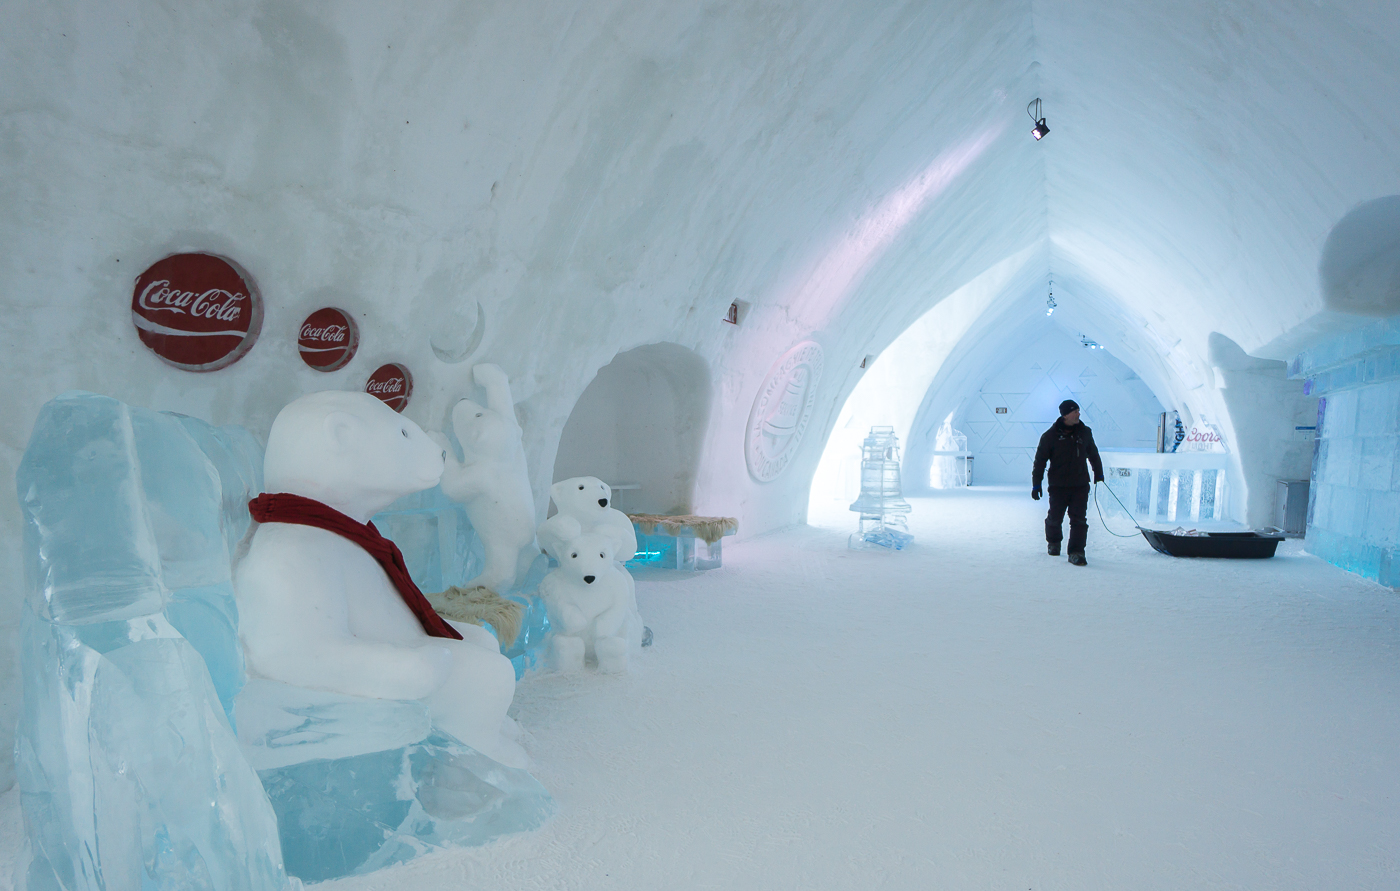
{"type": "Point", "coordinates": [360, 784]}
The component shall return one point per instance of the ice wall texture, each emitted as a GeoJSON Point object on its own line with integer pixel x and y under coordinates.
{"type": "Point", "coordinates": [131, 776]}
{"type": "Point", "coordinates": [1354, 501]}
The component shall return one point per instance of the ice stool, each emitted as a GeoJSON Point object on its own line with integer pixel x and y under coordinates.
{"type": "Point", "coordinates": [130, 771]}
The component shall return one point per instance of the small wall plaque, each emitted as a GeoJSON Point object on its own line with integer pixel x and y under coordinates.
{"type": "Point", "coordinates": [328, 339]}
{"type": "Point", "coordinates": [391, 383]}
{"type": "Point", "coordinates": [198, 312]}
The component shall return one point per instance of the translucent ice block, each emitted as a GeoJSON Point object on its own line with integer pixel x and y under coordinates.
{"type": "Point", "coordinates": [129, 771]}
{"type": "Point", "coordinates": [130, 776]}
{"type": "Point", "coordinates": [441, 549]}
{"type": "Point", "coordinates": [90, 551]}
{"type": "Point", "coordinates": [359, 784]}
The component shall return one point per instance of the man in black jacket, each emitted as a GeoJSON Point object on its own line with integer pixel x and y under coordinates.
{"type": "Point", "coordinates": [1066, 445]}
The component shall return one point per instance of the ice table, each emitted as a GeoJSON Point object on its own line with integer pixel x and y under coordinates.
{"type": "Point", "coordinates": [680, 542]}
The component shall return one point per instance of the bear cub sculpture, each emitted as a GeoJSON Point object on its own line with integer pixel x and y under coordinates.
{"type": "Point", "coordinates": [316, 610]}
{"type": "Point", "coordinates": [583, 504]}
{"type": "Point", "coordinates": [492, 482]}
{"type": "Point", "coordinates": [592, 604]}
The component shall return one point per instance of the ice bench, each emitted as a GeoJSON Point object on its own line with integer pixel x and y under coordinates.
{"type": "Point", "coordinates": [680, 542]}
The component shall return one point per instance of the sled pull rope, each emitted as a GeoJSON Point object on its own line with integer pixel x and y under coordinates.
{"type": "Point", "coordinates": [1120, 504]}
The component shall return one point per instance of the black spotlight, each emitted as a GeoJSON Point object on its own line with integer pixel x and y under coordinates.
{"type": "Point", "coordinates": [1041, 128]}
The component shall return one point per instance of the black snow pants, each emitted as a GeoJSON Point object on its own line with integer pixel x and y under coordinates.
{"type": "Point", "coordinates": [1075, 499]}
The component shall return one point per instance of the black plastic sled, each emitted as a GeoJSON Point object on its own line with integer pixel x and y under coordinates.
{"type": "Point", "coordinates": [1235, 545]}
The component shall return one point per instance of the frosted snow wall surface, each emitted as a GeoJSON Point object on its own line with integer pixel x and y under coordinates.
{"type": "Point", "coordinates": [1354, 509]}
{"type": "Point", "coordinates": [129, 770]}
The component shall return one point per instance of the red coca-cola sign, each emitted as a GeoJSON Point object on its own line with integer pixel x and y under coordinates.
{"type": "Point", "coordinates": [198, 312]}
{"type": "Point", "coordinates": [328, 339]}
{"type": "Point", "coordinates": [392, 383]}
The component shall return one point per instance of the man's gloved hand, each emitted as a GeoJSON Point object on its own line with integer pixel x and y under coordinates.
{"type": "Point", "coordinates": [1035, 493]}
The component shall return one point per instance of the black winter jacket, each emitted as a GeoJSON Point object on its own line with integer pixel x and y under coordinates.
{"type": "Point", "coordinates": [1066, 448]}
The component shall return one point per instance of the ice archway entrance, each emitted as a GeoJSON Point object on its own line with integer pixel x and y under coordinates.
{"type": "Point", "coordinates": [639, 426]}
{"type": "Point", "coordinates": [969, 347]}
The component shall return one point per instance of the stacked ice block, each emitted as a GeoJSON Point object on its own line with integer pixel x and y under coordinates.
{"type": "Point", "coordinates": [1354, 515]}
{"type": "Point", "coordinates": [129, 770]}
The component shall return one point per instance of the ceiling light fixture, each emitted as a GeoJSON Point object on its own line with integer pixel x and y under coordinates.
{"type": "Point", "coordinates": [1090, 344]}
{"type": "Point", "coordinates": [1040, 128]}
{"type": "Point", "coordinates": [1050, 303]}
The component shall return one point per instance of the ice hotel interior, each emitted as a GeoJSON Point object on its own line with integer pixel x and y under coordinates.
{"type": "Point", "coordinates": [588, 444]}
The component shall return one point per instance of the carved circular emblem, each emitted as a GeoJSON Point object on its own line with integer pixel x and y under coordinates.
{"type": "Point", "coordinates": [392, 384]}
{"type": "Point", "coordinates": [198, 312]}
{"type": "Point", "coordinates": [781, 411]}
{"type": "Point", "coordinates": [328, 339]}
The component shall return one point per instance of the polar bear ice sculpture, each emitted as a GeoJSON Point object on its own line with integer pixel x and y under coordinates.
{"type": "Point", "coordinates": [583, 507]}
{"type": "Point", "coordinates": [316, 610]}
{"type": "Point", "coordinates": [493, 483]}
{"type": "Point", "coordinates": [592, 606]}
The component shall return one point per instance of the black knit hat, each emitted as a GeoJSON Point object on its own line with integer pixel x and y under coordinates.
{"type": "Point", "coordinates": [1068, 406]}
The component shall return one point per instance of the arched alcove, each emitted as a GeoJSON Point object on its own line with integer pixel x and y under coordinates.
{"type": "Point", "coordinates": [640, 423]}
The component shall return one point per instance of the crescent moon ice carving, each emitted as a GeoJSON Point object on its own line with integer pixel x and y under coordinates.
{"type": "Point", "coordinates": [452, 349]}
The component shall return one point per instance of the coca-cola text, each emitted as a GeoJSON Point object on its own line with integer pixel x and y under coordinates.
{"type": "Point", "coordinates": [215, 303]}
{"type": "Point", "coordinates": [392, 385]}
{"type": "Point", "coordinates": [328, 334]}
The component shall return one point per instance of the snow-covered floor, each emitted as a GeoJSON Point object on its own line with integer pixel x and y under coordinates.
{"type": "Point", "coordinates": [967, 714]}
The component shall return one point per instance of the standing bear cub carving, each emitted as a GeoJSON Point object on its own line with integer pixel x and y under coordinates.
{"type": "Point", "coordinates": [592, 605]}
{"type": "Point", "coordinates": [492, 482]}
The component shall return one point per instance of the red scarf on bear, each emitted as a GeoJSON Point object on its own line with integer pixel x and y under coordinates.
{"type": "Point", "coordinates": [297, 510]}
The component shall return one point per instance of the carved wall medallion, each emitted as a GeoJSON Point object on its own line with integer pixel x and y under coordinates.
{"type": "Point", "coordinates": [782, 410]}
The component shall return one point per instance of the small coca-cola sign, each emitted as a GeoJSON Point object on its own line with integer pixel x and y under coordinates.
{"type": "Point", "coordinates": [198, 312]}
{"type": "Point", "coordinates": [328, 339]}
{"type": "Point", "coordinates": [391, 383]}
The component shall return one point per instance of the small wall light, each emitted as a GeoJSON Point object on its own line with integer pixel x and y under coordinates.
{"type": "Point", "coordinates": [1050, 303]}
{"type": "Point", "coordinates": [1040, 128]}
{"type": "Point", "coordinates": [732, 316]}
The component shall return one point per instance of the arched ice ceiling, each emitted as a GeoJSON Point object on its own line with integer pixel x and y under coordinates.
{"type": "Point", "coordinates": [605, 174]}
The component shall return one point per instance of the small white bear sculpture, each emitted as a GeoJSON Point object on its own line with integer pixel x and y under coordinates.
{"type": "Point", "coordinates": [493, 483]}
{"type": "Point", "coordinates": [583, 507]}
{"type": "Point", "coordinates": [592, 605]}
{"type": "Point", "coordinates": [317, 610]}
